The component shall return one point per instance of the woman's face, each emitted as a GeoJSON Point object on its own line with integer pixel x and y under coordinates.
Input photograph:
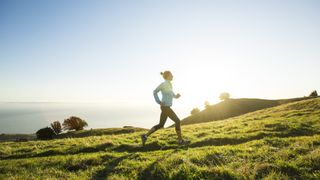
{"type": "Point", "coordinates": [170, 77]}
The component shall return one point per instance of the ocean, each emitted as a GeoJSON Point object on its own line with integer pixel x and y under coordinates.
{"type": "Point", "coordinates": [19, 118]}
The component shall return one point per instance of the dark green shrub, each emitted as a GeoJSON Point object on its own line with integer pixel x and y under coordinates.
{"type": "Point", "coordinates": [195, 111]}
{"type": "Point", "coordinates": [45, 133]}
{"type": "Point", "coordinates": [314, 94]}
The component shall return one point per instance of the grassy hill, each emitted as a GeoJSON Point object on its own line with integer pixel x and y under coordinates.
{"type": "Point", "coordinates": [235, 107]}
{"type": "Point", "coordinates": [17, 137]}
{"type": "Point", "coordinates": [275, 143]}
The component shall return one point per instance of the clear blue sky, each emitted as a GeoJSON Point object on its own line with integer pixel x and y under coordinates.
{"type": "Point", "coordinates": [113, 51]}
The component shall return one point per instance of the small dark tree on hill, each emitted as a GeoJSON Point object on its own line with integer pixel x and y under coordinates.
{"type": "Point", "coordinates": [56, 126]}
{"type": "Point", "coordinates": [206, 104]}
{"type": "Point", "coordinates": [224, 96]}
{"type": "Point", "coordinates": [45, 133]}
{"type": "Point", "coordinates": [314, 94]}
{"type": "Point", "coordinates": [74, 123]}
{"type": "Point", "coordinates": [195, 111]}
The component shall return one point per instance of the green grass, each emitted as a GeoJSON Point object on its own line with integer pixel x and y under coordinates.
{"type": "Point", "coordinates": [282, 142]}
{"type": "Point", "coordinates": [235, 107]}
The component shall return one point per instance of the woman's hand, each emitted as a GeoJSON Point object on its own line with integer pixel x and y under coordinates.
{"type": "Point", "coordinates": [178, 95]}
{"type": "Point", "coordinates": [162, 104]}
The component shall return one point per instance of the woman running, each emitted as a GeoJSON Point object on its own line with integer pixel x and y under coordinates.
{"type": "Point", "coordinates": [165, 104]}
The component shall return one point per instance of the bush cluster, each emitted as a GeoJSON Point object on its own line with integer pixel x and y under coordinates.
{"type": "Point", "coordinates": [71, 123]}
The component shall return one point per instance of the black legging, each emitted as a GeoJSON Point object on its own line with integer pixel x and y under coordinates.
{"type": "Point", "coordinates": [166, 112]}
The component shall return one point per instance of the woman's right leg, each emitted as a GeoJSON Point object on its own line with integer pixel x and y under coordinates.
{"type": "Point", "coordinates": [163, 119]}
{"type": "Point", "coordinates": [172, 115]}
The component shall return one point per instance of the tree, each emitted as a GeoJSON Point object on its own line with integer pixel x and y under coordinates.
{"type": "Point", "coordinates": [45, 133]}
{"type": "Point", "coordinates": [56, 126]}
{"type": "Point", "coordinates": [224, 96]}
{"type": "Point", "coordinates": [314, 94]}
{"type": "Point", "coordinates": [74, 123]}
{"type": "Point", "coordinates": [206, 104]}
{"type": "Point", "coordinates": [195, 111]}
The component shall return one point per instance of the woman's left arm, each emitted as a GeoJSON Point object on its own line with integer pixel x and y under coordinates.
{"type": "Point", "coordinates": [176, 95]}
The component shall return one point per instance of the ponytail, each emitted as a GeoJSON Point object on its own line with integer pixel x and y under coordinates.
{"type": "Point", "coordinates": [165, 74]}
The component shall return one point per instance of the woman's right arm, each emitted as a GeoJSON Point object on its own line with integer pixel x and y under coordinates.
{"type": "Point", "coordinates": [155, 94]}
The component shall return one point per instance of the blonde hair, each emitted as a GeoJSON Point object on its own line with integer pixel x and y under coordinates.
{"type": "Point", "coordinates": [165, 74]}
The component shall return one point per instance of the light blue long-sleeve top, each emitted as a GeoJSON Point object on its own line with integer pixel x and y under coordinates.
{"type": "Point", "coordinates": [167, 93]}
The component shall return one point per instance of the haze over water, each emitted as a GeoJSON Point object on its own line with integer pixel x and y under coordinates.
{"type": "Point", "coordinates": [30, 117]}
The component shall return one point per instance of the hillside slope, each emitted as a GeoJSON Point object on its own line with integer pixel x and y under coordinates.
{"type": "Point", "coordinates": [276, 143]}
{"type": "Point", "coordinates": [235, 107]}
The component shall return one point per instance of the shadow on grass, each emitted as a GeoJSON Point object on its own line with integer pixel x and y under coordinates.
{"type": "Point", "coordinates": [227, 141]}
{"type": "Point", "coordinates": [100, 147]}
{"type": "Point", "coordinates": [154, 146]}
{"type": "Point", "coordinates": [277, 130]}
{"type": "Point", "coordinates": [110, 166]}
{"type": "Point", "coordinates": [290, 130]}
{"type": "Point", "coordinates": [151, 171]}
{"type": "Point", "coordinates": [213, 159]}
